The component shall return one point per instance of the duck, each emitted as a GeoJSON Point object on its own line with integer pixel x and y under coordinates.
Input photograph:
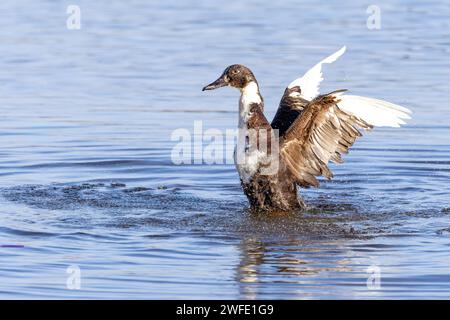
{"type": "Point", "coordinates": [309, 130]}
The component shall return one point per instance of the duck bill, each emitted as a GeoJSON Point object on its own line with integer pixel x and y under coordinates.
{"type": "Point", "coordinates": [216, 84]}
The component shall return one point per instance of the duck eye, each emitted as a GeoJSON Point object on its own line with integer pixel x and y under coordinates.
{"type": "Point", "coordinates": [235, 71]}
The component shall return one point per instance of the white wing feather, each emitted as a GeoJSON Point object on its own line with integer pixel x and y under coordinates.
{"type": "Point", "coordinates": [374, 111]}
{"type": "Point", "coordinates": [309, 83]}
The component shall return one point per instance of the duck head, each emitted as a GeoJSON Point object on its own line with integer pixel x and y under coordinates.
{"type": "Point", "coordinates": [236, 75]}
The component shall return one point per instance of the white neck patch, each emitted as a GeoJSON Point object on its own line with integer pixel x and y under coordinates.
{"type": "Point", "coordinates": [249, 95]}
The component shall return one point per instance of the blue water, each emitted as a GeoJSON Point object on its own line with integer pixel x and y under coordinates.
{"type": "Point", "coordinates": [86, 177]}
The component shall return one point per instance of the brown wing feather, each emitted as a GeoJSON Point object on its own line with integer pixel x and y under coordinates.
{"type": "Point", "coordinates": [321, 134]}
{"type": "Point", "coordinates": [291, 106]}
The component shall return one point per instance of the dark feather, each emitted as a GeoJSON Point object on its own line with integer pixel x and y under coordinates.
{"type": "Point", "coordinates": [288, 110]}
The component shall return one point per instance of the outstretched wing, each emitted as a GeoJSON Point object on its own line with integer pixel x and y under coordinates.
{"type": "Point", "coordinates": [291, 106]}
{"type": "Point", "coordinates": [328, 127]}
{"type": "Point", "coordinates": [310, 82]}
{"type": "Point", "coordinates": [298, 94]}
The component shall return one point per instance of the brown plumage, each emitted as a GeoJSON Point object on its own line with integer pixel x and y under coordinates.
{"type": "Point", "coordinates": [289, 109]}
{"type": "Point", "coordinates": [311, 134]}
{"type": "Point", "coordinates": [322, 134]}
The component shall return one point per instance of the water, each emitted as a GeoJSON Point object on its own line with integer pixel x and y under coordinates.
{"type": "Point", "coordinates": [87, 179]}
